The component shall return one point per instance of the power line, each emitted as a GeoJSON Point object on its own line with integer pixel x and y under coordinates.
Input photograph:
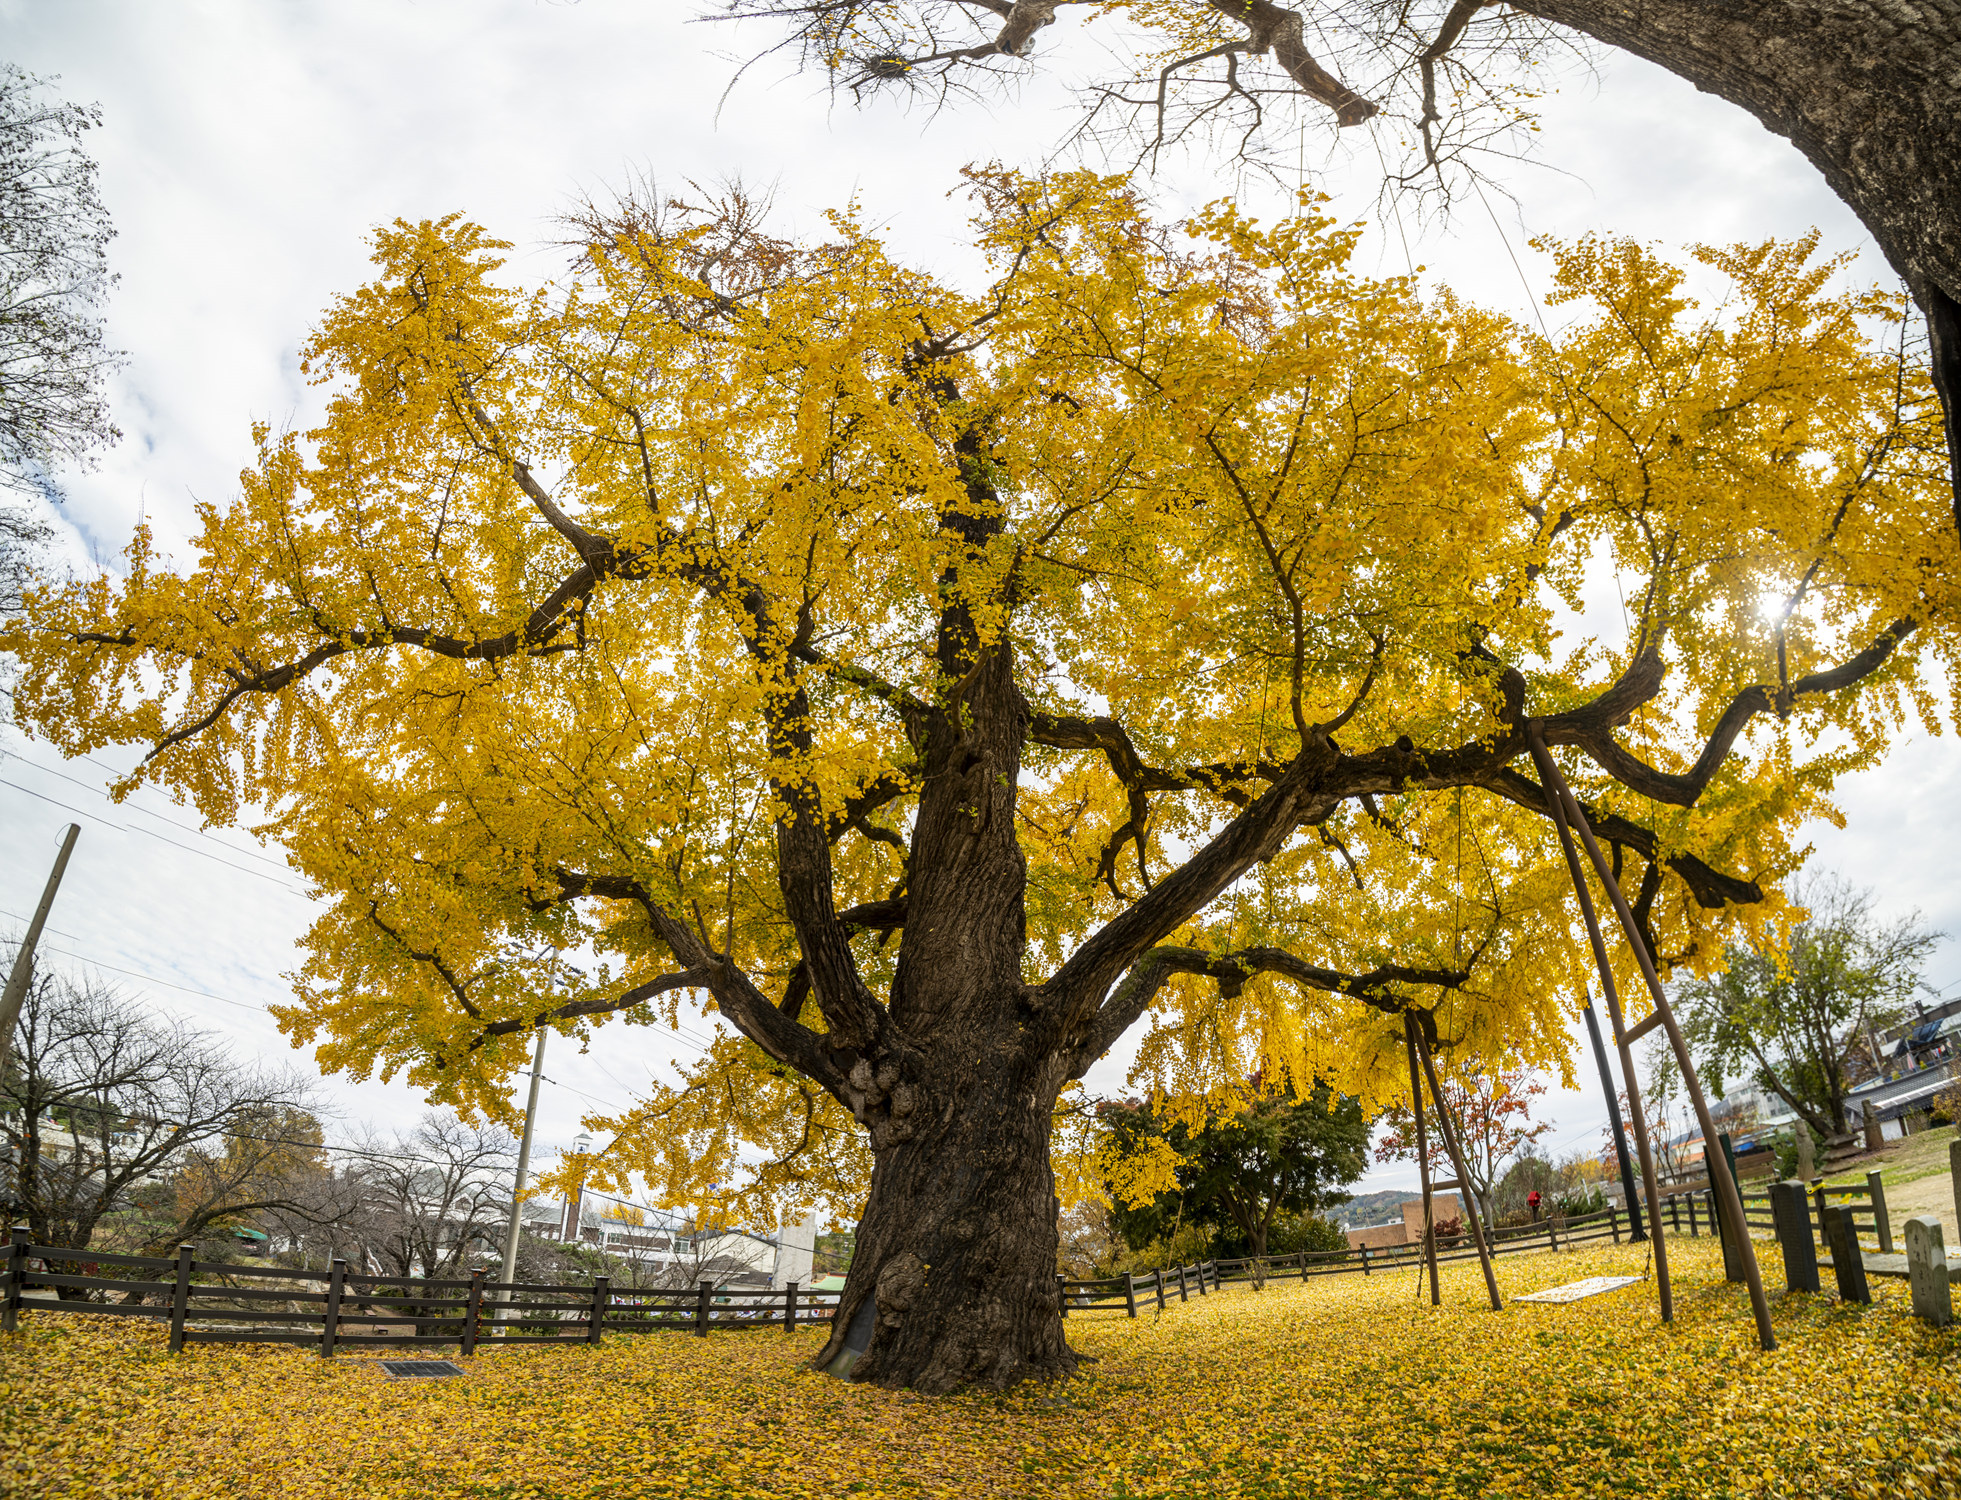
{"type": "Point", "coordinates": [150, 833]}
{"type": "Point", "coordinates": [147, 812]}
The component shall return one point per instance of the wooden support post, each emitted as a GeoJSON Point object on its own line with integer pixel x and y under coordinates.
{"type": "Point", "coordinates": [602, 1295]}
{"type": "Point", "coordinates": [1614, 1222]}
{"type": "Point", "coordinates": [703, 1293]}
{"type": "Point", "coordinates": [1651, 1187]}
{"type": "Point", "coordinates": [1848, 1261]}
{"type": "Point", "coordinates": [1130, 1292]}
{"type": "Point", "coordinates": [1729, 1202]}
{"type": "Point", "coordinates": [1183, 1296]}
{"type": "Point", "coordinates": [1365, 1260]}
{"type": "Point", "coordinates": [1954, 1174]}
{"type": "Point", "coordinates": [1552, 1232]}
{"type": "Point", "coordinates": [1158, 1277]}
{"type": "Point", "coordinates": [1457, 1160]}
{"type": "Point", "coordinates": [1876, 1189]}
{"type": "Point", "coordinates": [180, 1296]}
{"type": "Point", "coordinates": [336, 1287]}
{"type": "Point", "coordinates": [790, 1306]}
{"type": "Point", "coordinates": [16, 1278]}
{"type": "Point", "coordinates": [1422, 1159]}
{"type": "Point", "coordinates": [1792, 1219]}
{"type": "Point", "coordinates": [1200, 1268]}
{"type": "Point", "coordinates": [473, 1312]}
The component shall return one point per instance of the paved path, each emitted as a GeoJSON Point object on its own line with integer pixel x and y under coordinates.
{"type": "Point", "coordinates": [1925, 1195]}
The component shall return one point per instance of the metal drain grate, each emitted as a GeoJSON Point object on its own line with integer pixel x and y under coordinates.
{"type": "Point", "coordinates": [420, 1369]}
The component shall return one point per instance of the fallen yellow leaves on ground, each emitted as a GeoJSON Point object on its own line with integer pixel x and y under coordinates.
{"type": "Point", "coordinates": [1339, 1387]}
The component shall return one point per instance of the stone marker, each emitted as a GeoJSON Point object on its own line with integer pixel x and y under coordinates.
{"type": "Point", "coordinates": [1927, 1271]}
{"type": "Point", "coordinates": [1848, 1262]}
{"type": "Point", "coordinates": [1791, 1217]}
{"type": "Point", "coordinates": [1874, 1137]}
{"type": "Point", "coordinates": [1807, 1165]}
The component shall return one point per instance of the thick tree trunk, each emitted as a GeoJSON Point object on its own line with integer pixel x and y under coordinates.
{"type": "Point", "coordinates": [1866, 89]}
{"type": "Point", "coordinates": [952, 1278]}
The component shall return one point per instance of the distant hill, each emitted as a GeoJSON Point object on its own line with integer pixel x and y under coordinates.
{"type": "Point", "coordinates": [1365, 1209]}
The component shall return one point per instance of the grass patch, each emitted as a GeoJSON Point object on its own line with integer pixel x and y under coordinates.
{"type": "Point", "coordinates": [1340, 1387]}
{"type": "Point", "coordinates": [1902, 1161]}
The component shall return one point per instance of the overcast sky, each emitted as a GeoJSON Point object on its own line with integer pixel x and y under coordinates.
{"type": "Point", "coordinates": [247, 148]}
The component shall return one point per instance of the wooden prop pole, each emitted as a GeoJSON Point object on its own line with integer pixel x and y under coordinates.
{"type": "Point", "coordinates": [1651, 1186]}
{"type": "Point", "coordinates": [1422, 1159]}
{"type": "Point", "coordinates": [1464, 1192]}
{"type": "Point", "coordinates": [1727, 1197]}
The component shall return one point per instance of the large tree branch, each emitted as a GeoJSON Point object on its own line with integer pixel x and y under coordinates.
{"type": "Point", "coordinates": [1276, 28]}
{"type": "Point", "coordinates": [1378, 987]}
{"type": "Point", "coordinates": [748, 1009]}
{"type": "Point", "coordinates": [1591, 729]}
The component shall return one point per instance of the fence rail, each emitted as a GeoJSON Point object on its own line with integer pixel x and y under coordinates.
{"type": "Point", "coordinates": [333, 1308]}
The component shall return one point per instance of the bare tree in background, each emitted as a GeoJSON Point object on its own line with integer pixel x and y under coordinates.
{"type": "Point", "coordinates": [1866, 89]}
{"type": "Point", "coordinates": [122, 1123]}
{"type": "Point", "coordinates": [434, 1196]}
{"type": "Point", "coordinates": [54, 278]}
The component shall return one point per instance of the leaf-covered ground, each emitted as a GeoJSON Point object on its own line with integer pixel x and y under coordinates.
{"type": "Point", "coordinates": [1342, 1387]}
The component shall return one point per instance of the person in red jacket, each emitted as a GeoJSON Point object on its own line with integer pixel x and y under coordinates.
{"type": "Point", "coordinates": [1532, 1202]}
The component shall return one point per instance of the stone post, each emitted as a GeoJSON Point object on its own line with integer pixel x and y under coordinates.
{"type": "Point", "coordinates": [1792, 1218]}
{"type": "Point", "coordinates": [1848, 1261]}
{"type": "Point", "coordinates": [1807, 1162]}
{"type": "Point", "coordinates": [1873, 1138]}
{"type": "Point", "coordinates": [1927, 1271]}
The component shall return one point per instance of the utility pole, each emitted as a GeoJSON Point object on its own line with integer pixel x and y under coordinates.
{"type": "Point", "coordinates": [1614, 1115]}
{"type": "Point", "coordinates": [16, 992]}
{"type": "Point", "coordinates": [509, 1272]}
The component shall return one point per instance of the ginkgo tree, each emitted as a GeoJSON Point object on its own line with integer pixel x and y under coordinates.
{"type": "Point", "coordinates": [933, 682]}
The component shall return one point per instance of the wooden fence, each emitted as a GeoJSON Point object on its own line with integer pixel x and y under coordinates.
{"type": "Point", "coordinates": [1867, 1202]}
{"type": "Point", "coordinates": [271, 1305]}
{"type": "Point", "coordinates": [1125, 1294]}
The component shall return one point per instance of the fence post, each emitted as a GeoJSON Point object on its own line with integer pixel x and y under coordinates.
{"type": "Point", "coordinates": [336, 1285]}
{"type": "Point", "coordinates": [473, 1312]}
{"type": "Point", "coordinates": [702, 1296]}
{"type": "Point", "coordinates": [1791, 1217]}
{"type": "Point", "coordinates": [1876, 1186]}
{"type": "Point", "coordinates": [1158, 1277]}
{"type": "Point", "coordinates": [1183, 1296]}
{"type": "Point", "coordinates": [1365, 1260]}
{"type": "Point", "coordinates": [180, 1296]}
{"type": "Point", "coordinates": [1824, 1206]}
{"type": "Point", "coordinates": [1675, 1213]}
{"type": "Point", "coordinates": [1848, 1264]}
{"type": "Point", "coordinates": [790, 1306]}
{"type": "Point", "coordinates": [1614, 1222]}
{"type": "Point", "coordinates": [602, 1294]}
{"type": "Point", "coordinates": [1552, 1231]}
{"type": "Point", "coordinates": [16, 1275]}
{"type": "Point", "coordinates": [1199, 1271]}
{"type": "Point", "coordinates": [1130, 1291]}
